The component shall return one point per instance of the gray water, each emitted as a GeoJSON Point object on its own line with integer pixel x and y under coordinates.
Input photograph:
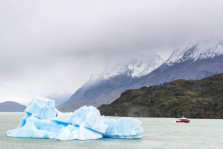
{"type": "Point", "coordinates": [159, 133]}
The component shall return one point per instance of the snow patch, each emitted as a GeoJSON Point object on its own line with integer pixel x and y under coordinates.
{"type": "Point", "coordinates": [202, 50]}
{"type": "Point", "coordinates": [137, 68]}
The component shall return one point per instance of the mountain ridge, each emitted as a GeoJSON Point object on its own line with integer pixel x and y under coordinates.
{"type": "Point", "coordinates": [193, 62]}
{"type": "Point", "coordinates": [11, 106]}
{"type": "Point", "coordinates": [194, 99]}
{"type": "Point", "coordinates": [110, 85]}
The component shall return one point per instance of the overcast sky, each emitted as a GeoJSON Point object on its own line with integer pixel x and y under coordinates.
{"type": "Point", "coordinates": [53, 46]}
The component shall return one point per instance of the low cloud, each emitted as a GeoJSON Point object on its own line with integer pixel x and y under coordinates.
{"type": "Point", "coordinates": [51, 46]}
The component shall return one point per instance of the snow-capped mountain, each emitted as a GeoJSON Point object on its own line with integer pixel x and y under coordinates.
{"type": "Point", "coordinates": [108, 86]}
{"type": "Point", "coordinates": [196, 62]}
{"type": "Point", "coordinates": [135, 69]}
{"type": "Point", "coordinates": [203, 50]}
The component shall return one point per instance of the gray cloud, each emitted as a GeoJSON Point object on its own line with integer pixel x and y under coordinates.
{"type": "Point", "coordinates": [53, 46]}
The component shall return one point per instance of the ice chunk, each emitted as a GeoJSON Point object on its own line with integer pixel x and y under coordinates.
{"type": "Point", "coordinates": [32, 129]}
{"type": "Point", "coordinates": [42, 108]}
{"type": "Point", "coordinates": [123, 128]}
{"type": "Point", "coordinates": [72, 132]}
{"type": "Point", "coordinates": [63, 117]}
{"type": "Point", "coordinates": [43, 120]}
{"type": "Point", "coordinates": [87, 134]}
{"type": "Point", "coordinates": [69, 133]}
{"type": "Point", "coordinates": [89, 117]}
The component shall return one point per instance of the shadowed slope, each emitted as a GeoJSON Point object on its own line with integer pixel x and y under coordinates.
{"type": "Point", "coordinates": [195, 99]}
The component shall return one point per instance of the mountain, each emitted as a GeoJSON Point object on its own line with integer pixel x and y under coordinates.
{"type": "Point", "coordinates": [193, 62]}
{"type": "Point", "coordinates": [107, 87]}
{"type": "Point", "coordinates": [10, 106]}
{"type": "Point", "coordinates": [194, 99]}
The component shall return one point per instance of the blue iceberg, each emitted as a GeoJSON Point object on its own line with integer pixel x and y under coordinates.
{"type": "Point", "coordinates": [43, 120]}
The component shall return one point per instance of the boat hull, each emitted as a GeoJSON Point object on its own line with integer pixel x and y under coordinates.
{"type": "Point", "coordinates": [183, 121]}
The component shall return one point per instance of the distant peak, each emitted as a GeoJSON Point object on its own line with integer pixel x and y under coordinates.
{"type": "Point", "coordinates": [136, 68]}
{"type": "Point", "coordinates": [197, 51]}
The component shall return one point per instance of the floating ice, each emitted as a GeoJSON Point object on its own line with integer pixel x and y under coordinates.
{"type": "Point", "coordinates": [43, 120]}
{"type": "Point", "coordinates": [123, 128]}
{"type": "Point", "coordinates": [42, 108]}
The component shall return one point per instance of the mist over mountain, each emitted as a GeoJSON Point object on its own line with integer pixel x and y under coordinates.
{"type": "Point", "coordinates": [108, 86]}
{"type": "Point", "coordinates": [59, 98]}
{"type": "Point", "coordinates": [196, 62]}
{"type": "Point", "coordinates": [193, 62]}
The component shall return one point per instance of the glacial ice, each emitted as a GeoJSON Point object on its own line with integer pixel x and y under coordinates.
{"type": "Point", "coordinates": [43, 120]}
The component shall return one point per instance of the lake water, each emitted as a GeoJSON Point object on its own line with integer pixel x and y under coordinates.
{"type": "Point", "coordinates": [159, 133]}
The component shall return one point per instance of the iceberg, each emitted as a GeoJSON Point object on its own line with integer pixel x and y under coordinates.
{"type": "Point", "coordinates": [123, 128]}
{"type": "Point", "coordinates": [44, 121]}
{"type": "Point", "coordinates": [42, 108]}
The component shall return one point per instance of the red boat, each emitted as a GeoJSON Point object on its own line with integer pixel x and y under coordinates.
{"type": "Point", "coordinates": [183, 120]}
